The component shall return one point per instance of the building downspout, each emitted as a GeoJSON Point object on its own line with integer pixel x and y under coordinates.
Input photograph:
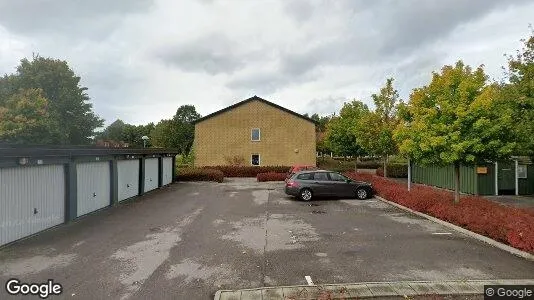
{"type": "Point", "coordinates": [516, 178]}
{"type": "Point", "coordinates": [496, 179]}
{"type": "Point", "coordinates": [409, 175]}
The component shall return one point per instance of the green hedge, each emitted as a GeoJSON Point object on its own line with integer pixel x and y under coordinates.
{"type": "Point", "coordinates": [248, 171]}
{"type": "Point", "coordinates": [394, 171]}
{"type": "Point", "coordinates": [199, 174]}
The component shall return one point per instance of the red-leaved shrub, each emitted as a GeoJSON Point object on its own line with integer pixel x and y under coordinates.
{"type": "Point", "coordinates": [510, 225]}
{"type": "Point", "coordinates": [271, 176]}
{"type": "Point", "coordinates": [248, 171]}
{"type": "Point", "coordinates": [199, 174]}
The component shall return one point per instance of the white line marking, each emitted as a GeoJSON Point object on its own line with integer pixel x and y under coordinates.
{"type": "Point", "coordinates": [441, 233]}
{"type": "Point", "coordinates": [309, 280]}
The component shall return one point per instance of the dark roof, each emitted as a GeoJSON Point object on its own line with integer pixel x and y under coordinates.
{"type": "Point", "coordinates": [254, 98]}
{"type": "Point", "coordinates": [70, 150]}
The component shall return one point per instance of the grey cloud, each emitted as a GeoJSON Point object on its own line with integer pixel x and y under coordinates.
{"type": "Point", "coordinates": [73, 18]}
{"type": "Point", "coordinates": [300, 10]}
{"type": "Point", "coordinates": [325, 106]}
{"type": "Point", "coordinates": [381, 31]}
{"type": "Point", "coordinates": [213, 53]}
{"type": "Point", "coordinates": [260, 83]}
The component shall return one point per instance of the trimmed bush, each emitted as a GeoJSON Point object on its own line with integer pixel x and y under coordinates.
{"type": "Point", "coordinates": [510, 225]}
{"type": "Point", "coordinates": [271, 176]}
{"type": "Point", "coordinates": [248, 171]}
{"type": "Point", "coordinates": [199, 174]}
{"type": "Point", "coordinates": [394, 171]}
{"type": "Point", "coordinates": [328, 163]}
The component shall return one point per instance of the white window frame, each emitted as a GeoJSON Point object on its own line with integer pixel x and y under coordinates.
{"type": "Point", "coordinates": [259, 159]}
{"type": "Point", "coordinates": [259, 134]}
{"type": "Point", "coordinates": [526, 171]}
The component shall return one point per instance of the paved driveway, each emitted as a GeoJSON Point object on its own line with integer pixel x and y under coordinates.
{"type": "Point", "coordinates": [188, 240]}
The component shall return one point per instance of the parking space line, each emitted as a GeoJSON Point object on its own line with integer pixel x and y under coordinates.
{"type": "Point", "coordinates": [441, 233]}
{"type": "Point", "coordinates": [309, 280]}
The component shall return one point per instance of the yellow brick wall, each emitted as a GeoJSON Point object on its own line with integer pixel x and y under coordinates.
{"type": "Point", "coordinates": [229, 134]}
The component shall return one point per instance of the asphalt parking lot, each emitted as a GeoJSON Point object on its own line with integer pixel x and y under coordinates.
{"type": "Point", "coordinates": [188, 240]}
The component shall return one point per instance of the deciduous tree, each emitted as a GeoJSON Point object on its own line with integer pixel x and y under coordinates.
{"type": "Point", "coordinates": [68, 102]}
{"type": "Point", "coordinates": [341, 131]}
{"type": "Point", "coordinates": [25, 119]}
{"type": "Point", "coordinates": [456, 119]}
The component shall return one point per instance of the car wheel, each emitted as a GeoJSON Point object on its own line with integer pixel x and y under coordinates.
{"type": "Point", "coordinates": [361, 194]}
{"type": "Point", "coordinates": [306, 194]}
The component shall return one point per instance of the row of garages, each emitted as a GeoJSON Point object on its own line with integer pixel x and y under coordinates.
{"type": "Point", "coordinates": [42, 188]}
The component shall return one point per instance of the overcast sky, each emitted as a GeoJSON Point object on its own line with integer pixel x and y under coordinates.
{"type": "Point", "coordinates": [141, 59]}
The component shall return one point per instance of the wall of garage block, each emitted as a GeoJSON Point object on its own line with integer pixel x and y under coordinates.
{"type": "Point", "coordinates": [40, 192]}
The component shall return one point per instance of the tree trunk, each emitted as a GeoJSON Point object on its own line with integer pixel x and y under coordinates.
{"type": "Point", "coordinates": [356, 165]}
{"type": "Point", "coordinates": [385, 166]}
{"type": "Point", "coordinates": [457, 183]}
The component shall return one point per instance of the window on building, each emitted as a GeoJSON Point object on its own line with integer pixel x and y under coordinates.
{"type": "Point", "coordinates": [255, 134]}
{"type": "Point", "coordinates": [521, 171]}
{"type": "Point", "coordinates": [255, 159]}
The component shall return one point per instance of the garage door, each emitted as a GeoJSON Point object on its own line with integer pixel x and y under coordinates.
{"type": "Point", "coordinates": [151, 174]}
{"type": "Point", "coordinates": [93, 186]}
{"type": "Point", "coordinates": [128, 178]}
{"type": "Point", "coordinates": [167, 171]}
{"type": "Point", "coordinates": [31, 199]}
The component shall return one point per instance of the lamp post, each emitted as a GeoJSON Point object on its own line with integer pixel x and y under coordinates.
{"type": "Point", "coordinates": [144, 138]}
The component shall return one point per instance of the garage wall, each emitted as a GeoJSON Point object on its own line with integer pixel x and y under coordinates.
{"type": "Point", "coordinates": [93, 186]}
{"type": "Point", "coordinates": [128, 178]}
{"type": "Point", "coordinates": [167, 171]}
{"type": "Point", "coordinates": [32, 199]}
{"type": "Point", "coordinates": [151, 174]}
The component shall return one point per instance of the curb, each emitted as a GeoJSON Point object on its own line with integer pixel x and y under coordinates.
{"type": "Point", "coordinates": [464, 231]}
{"type": "Point", "coordinates": [368, 290]}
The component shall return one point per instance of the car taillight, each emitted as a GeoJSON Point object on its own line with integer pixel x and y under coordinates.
{"type": "Point", "coordinates": [291, 183]}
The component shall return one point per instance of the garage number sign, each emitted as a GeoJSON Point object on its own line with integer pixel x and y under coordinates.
{"type": "Point", "coordinates": [482, 170]}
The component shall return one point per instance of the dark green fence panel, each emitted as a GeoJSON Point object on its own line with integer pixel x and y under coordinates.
{"type": "Point", "coordinates": [468, 180]}
{"type": "Point", "coordinates": [443, 177]}
{"type": "Point", "coordinates": [486, 182]}
{"type": "Point", "coordinates": [526, 185]}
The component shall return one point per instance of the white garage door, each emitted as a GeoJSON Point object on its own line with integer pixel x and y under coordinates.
{"type": "Point", "coordinates": [128, 175]}
{"type": "Point", "coordinates": [151, 174]}
{"type": "Point", "coordinates": [31, 199]}
{"type": "Point", "coordinates": [93, 186]}
{"type": "Point", "coordinates": [167, 171]}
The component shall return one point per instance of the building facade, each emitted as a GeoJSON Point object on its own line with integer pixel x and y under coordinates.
{"type": "Point", "coordinates": [254, 132]}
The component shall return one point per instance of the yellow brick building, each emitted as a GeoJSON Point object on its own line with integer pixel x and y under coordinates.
{"type": "Point", "coordinates": [257, 132]}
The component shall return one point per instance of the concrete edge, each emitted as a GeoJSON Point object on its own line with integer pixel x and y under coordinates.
{"type": "Point", "coordinates": [464, 231]}
{"type": "Point", "coordinates": [472, 284]}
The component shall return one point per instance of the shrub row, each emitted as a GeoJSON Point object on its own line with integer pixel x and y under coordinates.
{"type": "Point", "coordinates": [394, 171]}
{"type": "Point", "coordinates": [344, 166]}
{"type": "Point", "coordinates": [271, 176]}
{"type": "Point", "coordinates": [248, 171]}
{"type": "Point", "coordinates": [510, 225]}
{"type": "Point", "coordinates": [199, 174]}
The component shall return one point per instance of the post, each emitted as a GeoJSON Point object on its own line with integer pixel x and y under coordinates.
{"type": "Point", "coordinates": [71, 205]}
{"type": "Point", "coordinates": [409, 175]}
{"type": "Point", "coordinates": [516, 178]}
{"type": "Point", "coordinates": [114, 182]}
{"type": "Point", "coordinates": [496, 179]}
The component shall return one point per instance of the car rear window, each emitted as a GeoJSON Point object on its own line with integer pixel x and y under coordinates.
{"type": "Point", "coordinates": [305, 176]}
